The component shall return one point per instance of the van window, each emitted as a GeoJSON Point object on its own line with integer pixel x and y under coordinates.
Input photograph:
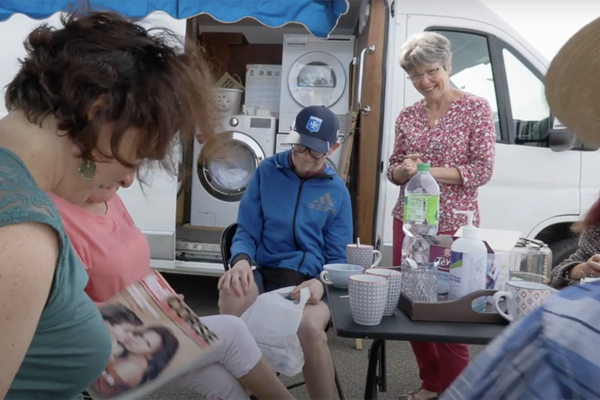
{"type": "Point", "coordinates": [472, 68]}
{"type": "Point", "coordinates": [529, 109]}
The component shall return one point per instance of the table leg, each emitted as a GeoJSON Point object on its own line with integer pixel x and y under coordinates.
{"type": "Point", "coordinates": [382, 378]}
{"type": "Point", "coordinates": [371, 382]}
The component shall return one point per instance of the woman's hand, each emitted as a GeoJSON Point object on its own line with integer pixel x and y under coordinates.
{"type": "Point", "coordinates": [407, 169]}
{"type": "Point", "coordinates": [409, 164]}
{"type": "Point", "coordinates": [590, 268]}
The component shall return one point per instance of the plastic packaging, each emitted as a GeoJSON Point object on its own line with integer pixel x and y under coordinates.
{"type": "Point", "coordinates": [420, 219]}
{"type": "Point", "coordinates": [468, 264]}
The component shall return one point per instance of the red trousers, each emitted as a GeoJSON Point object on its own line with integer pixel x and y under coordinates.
{"type": "Point", "coordinates": [439, 363]}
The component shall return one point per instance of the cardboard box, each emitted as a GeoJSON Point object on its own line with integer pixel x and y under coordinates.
{"type": "Point", "coordinates": [499, 244]}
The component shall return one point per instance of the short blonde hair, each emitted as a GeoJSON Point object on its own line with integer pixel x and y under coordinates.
{"type": "Point", "coordinates": [425, 48]}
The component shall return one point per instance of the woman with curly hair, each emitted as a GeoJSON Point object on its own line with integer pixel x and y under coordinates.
{"type": "Point", "coordinates": [93, 102]}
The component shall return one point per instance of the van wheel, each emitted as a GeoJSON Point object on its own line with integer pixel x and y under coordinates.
{"type": "Point", "coordinates": [563, 249]}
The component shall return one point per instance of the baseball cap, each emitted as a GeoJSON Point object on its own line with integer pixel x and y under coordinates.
{"type": "Point", "coordinates": [316, 128]}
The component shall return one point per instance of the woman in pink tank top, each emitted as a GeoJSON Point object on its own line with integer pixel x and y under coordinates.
{"type": "Point", "coordinates": [115, 254]}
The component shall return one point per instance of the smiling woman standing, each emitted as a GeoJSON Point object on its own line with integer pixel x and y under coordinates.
{"type": "Point", "coordinates": [454, 132]}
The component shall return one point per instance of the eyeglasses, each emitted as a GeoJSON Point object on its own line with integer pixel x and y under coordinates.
{"type": "Point", "coordinates": [429, 74]}
{"type": "Point", "coordinates": [298, 148]}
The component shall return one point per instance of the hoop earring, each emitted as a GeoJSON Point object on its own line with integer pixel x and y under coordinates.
{"type": "Point", "coordinates": [87, 170]}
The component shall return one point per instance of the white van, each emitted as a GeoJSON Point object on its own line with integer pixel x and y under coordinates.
{"type": "Point", "coordinates": [543, 179]}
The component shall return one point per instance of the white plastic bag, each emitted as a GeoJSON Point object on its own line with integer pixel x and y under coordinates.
{"type": "Point", "coordinates": [273, 322]}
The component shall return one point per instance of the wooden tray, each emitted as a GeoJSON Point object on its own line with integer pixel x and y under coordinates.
{"type": "Point", "coordinates": [451, 310]}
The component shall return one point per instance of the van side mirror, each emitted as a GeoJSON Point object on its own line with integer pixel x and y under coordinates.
{"type": "Point", "coordinates": [559, 137]}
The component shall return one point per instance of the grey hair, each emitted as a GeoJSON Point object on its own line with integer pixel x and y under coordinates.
{"type": "Point", "coordinates": [425, 48]}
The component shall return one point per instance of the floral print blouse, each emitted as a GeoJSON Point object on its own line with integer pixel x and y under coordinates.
{"type": "Point", "coordinates": [463, 138]}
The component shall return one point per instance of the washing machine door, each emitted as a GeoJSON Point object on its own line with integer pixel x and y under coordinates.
{"type": "Point", "coordinates": [225, 173]}
{"type": "Point", "coordinates": [317, 79]}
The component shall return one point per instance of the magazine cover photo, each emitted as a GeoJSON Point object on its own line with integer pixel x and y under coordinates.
{"type": "Point", "coordinates": [155, 337]}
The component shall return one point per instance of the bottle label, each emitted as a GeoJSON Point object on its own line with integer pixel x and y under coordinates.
{"type": "Point", "coordinates": [420, 209]}
{"type": "Point", "coordinates": [467, 275]}
{"type": "Point", "coordinates": [456, 278]}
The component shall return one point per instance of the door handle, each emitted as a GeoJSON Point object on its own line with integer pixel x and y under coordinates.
{"type": "Point", "coordinates": [365, 110]}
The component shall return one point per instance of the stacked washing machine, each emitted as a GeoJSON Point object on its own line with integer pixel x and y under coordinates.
{"type": "Point", "coordinates": [220, 179]}
{"type": "Point", "coordinates": [315, 71]}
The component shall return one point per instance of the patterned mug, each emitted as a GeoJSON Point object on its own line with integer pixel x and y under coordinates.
{"type": "Point", "coordinates": [362, 254]}
{"type": "Point", "coordinates": [368, 298]}
{"type": "Point", "coordinates": [394, 279]}
{"type": "Point", "coordinates": [522, 297]}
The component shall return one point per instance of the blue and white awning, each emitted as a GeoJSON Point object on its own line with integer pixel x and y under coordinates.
{"type": "Point", "coordinates": [318, 16]}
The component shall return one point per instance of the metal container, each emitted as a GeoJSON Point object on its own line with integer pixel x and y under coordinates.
{"type": "Point", "coordinates": [531, 260]}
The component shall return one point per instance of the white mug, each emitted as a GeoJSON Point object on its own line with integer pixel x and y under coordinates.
{"type": "Point", "coordinates": [522, 297]}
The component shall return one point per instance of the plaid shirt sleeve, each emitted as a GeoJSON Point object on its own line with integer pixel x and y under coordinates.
{"type": "Point", "coordinates": [554, 353]}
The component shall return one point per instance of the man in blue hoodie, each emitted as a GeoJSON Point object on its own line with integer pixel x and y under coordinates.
{"type": "Point", "coordinates": [294, 217]}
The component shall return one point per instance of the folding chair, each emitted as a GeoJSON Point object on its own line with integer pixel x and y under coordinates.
{"type": "Point", "coordinates": [226, 240]}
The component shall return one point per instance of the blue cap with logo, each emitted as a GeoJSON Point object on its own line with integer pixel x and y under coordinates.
{"type": "Point", "coordinates": [316, 128]}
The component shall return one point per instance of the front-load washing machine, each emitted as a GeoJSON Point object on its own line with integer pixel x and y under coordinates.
{"type": "Point", "coordinates": [315, 72]}
{"type": "Point", "coordinates": [281, 145]}
{"type": "Point", "coordinates": [221, 176]}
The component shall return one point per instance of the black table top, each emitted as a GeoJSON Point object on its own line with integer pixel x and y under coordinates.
{"type": "Point", "coordinates": [399, 327]}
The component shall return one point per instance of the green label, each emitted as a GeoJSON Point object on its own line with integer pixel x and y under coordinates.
{"type": "Point", "coordinates": [421, 209]}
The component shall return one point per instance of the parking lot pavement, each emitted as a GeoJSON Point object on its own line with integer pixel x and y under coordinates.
{"type": "Point", "coordinates": [201, 294]}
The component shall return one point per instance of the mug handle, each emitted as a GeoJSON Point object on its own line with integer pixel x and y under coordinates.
{"type": "Point", "coordinates": [325, 278]}
{"type": "Point", "coordinates": [377, 256]}
{"type": "Point", "coordinates": [496, 300]}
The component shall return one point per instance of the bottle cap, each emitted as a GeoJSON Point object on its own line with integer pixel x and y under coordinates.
{"type": "Point", "coordinates": [423, 167]}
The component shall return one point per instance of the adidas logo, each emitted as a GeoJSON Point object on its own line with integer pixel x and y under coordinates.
{"type": "Point", "coordinates": [323, 203]}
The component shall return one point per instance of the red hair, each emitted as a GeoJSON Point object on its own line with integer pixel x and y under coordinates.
{"type": "Point", "coordinates": [592, 217]}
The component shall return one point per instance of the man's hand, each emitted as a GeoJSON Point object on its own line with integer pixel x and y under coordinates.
{"type": "Point", "coordinates": [238, 279]}
{"type": "Point", "coordinates": [315, 287]}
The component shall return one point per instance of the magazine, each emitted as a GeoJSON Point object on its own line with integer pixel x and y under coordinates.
{"type": "Point", "coordinates": [155, 338]}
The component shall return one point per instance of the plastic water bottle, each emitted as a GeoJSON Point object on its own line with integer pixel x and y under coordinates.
{"type": "Point", "coordinates": [420, 220]}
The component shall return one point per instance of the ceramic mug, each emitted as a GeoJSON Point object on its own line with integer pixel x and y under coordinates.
{"type": "Point", "coordinates": [394, 279]}
{"type": "Point", "coordinates": [368, 298]}
{"type": "Point", "coordinates": [364, 255]}
{"type": "Point", "coordinates": [522, 297]}
{"type": "Point", "coordinates": [337, 274]}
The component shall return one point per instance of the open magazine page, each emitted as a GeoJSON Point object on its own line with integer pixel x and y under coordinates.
{"type": "Point", "coordinates": [155, 336]}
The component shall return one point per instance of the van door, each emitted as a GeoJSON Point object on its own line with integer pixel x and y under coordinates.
{"type": "Point", "coordinates": [531, 183]}
{"type": "Point", "coordinates": [153, 208]}
{"type": "Point", "coordinates": [369, 81]}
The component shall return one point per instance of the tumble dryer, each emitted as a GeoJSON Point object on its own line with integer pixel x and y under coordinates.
{"type": "Point", "coordinates": [315, 72]}
{"type": "Point", "coordinates": [281, 145]}
{"type": "Point", "coordinates": [221, 175]}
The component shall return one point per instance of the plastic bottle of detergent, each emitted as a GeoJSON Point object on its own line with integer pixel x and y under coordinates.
{"type": "Point", "coordinates": [468, 264]}
{"type": "Point", "coordinates": [420, 219]}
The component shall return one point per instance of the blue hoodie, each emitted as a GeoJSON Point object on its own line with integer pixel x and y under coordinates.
{"type": "Point", "coordinates": [288, 222]}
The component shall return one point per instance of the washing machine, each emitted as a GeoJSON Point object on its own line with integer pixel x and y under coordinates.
{"type": "Point", "coordinates": [281, 145]}
{"type": "Point", "coordinates": [222, 173]}
{"type": "Point", "coordinates": [315, 71]}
